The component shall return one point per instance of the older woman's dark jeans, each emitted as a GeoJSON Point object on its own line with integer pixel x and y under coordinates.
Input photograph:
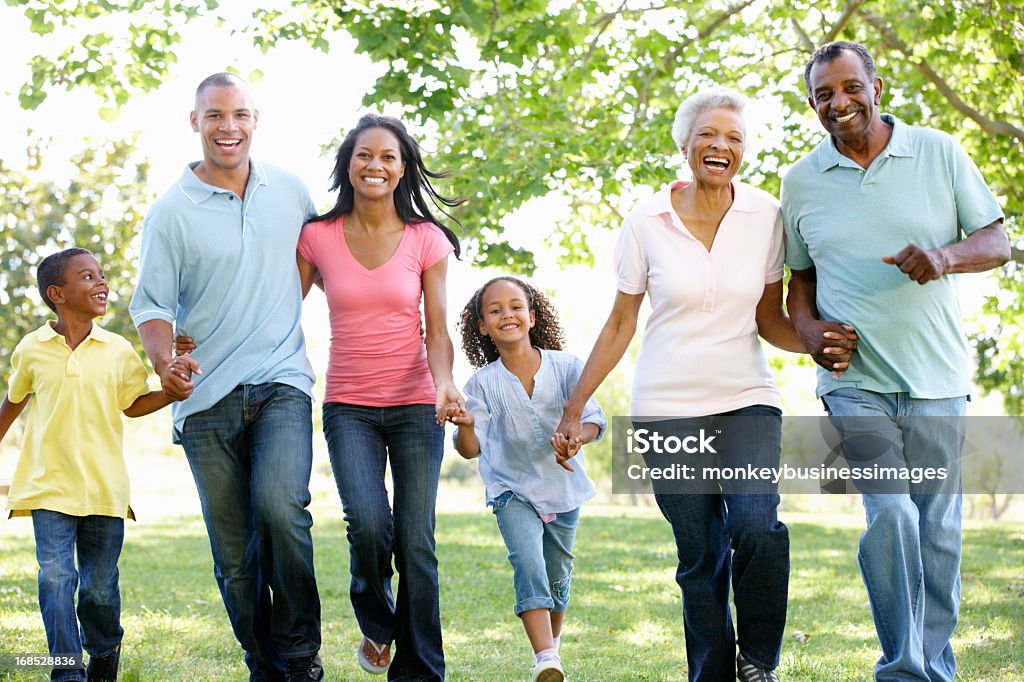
{"type": "Point", "coordinates": [732, 533]}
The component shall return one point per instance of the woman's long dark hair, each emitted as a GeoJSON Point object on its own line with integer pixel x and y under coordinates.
{"type": "Point", "coordinates": [410, 202]}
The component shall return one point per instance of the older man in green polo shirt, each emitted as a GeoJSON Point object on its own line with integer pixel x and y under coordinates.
{"type": "Point", "coordinates": [879, 217]}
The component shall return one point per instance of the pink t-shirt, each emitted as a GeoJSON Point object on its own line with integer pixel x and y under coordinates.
{"type": "Point", "coordinates": [700, 353]}
{"type": "Point", "coordinates": [377, 354]}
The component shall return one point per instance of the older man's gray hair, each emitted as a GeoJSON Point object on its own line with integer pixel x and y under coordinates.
{"type": "Point", "coordinates": [716, 97]}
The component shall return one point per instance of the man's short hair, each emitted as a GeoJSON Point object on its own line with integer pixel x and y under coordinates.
{"type": "Point", "coordinates": [716, 97]}
{"type": "Point", "coordinates": [829, 52]}
{"type": "Point", "coordinates": [219, 80]}
{"type": "Point", "coordinates": [51, 271]}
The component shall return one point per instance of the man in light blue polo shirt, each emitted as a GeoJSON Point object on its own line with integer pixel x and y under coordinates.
{"type": "Point", "coordinates": [879, 217]}
{"type": "Point", "coordinates": [218, 263]}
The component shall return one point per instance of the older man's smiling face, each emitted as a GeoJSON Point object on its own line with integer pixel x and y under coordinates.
{"type": "Point", "coordinates": [845, 97]}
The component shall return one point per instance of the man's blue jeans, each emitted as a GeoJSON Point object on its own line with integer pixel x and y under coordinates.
{"type": "Point", "coordinates": [540, 553]}
{"type": "Point", "coordinates": [251, 456]}
{"type": "Point", "coordinates": [910, 553]}
{"type": "Point", "coordinates": [361, 441]}
{"type": "Point", "coordinates": [732, 532]}
{"type": "Point", "coordinates": [97, 540]}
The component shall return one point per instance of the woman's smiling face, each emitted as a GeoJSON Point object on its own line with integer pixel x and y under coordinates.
{"type": "Point", "coordinates": [714, 150]}
{"type": "Point", "coordinates": [376, 165]}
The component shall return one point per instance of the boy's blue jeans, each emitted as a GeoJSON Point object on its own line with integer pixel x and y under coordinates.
{"type": "Point", "coordinates": [540, 553]}
{"type": "Point", "coordinates": [909, 554]}
{"type": "Point", "coordinates": [98, 541]}
{"type": "Point", "coordinates": [251, 456]}
{"type": "Point", "coordinates": [362, 441]}
{"type": "Point", "coordinates": [732, 534]}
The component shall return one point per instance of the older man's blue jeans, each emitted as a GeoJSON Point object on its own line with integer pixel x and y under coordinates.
{"type": "Point", "coordinates": [97, 541]}
{"type": "Point", "coordinates": [251, 456]}
{"type": "Point", "coordinates": [729, 532]}
{"type": "Point", "coordinates": [910, 552]}
{"type": "Point", "coordinates": [362, 441]}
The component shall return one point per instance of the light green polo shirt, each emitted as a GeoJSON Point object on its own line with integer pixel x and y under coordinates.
{"type": "Point", "coordinates": [842, 219]}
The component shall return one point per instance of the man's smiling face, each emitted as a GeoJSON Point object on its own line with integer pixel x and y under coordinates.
{"type": "Point", "coordinates": [845, 97]}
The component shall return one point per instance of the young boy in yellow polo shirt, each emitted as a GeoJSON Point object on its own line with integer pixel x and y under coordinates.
{"type": "Point", "coordinates": [71, 477]}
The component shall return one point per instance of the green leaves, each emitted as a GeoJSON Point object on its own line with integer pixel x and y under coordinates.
{"type": "Point", "coordinates": [533, 96]}
{"type": "Point", "coordinates": [116, 63]}
{"type": "Point", "coordinates": [100, 210]}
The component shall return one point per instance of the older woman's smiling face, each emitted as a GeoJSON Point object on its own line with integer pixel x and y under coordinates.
{"type": "Point", "coordinates": [714, 150]}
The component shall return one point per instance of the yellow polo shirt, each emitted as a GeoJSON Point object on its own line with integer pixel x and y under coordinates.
{"type": "Point", "coordinates": [72, 457]}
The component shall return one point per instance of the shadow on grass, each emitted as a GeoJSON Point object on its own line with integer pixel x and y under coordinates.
{"type": "Point", "coordinates": [624, 622]}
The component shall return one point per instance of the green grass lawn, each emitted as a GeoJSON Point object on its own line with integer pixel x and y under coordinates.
{"type": "Point", "coordinates": [624, 623]}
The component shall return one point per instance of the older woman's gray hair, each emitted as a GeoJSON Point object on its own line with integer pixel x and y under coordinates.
{"type": "Point", "coordinates": [716, 97]}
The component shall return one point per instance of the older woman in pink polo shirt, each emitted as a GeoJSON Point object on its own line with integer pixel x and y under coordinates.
{"type": "Point", "coordinates": [709, 254]}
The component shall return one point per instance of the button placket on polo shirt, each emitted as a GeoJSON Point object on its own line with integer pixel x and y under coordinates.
{"type": "Point", "coordinates": [72, 365]}
{"type": "Point", "coordinates": [710, 281]}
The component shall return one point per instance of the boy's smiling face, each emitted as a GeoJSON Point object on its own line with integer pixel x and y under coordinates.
{"type": "Point", "coordinates": [84, 291]}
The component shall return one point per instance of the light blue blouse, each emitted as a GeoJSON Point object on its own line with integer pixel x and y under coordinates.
{"type": "Point", "coordinates": [514, 431]}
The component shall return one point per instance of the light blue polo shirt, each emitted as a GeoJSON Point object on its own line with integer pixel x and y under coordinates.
{"type": "Point", "coordinates": [222, 270]}
{"type": "Point", "coordinates": [841, 219]}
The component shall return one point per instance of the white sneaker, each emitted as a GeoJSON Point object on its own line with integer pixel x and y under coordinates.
{"type": "Point", "coordinates": [548, 669]}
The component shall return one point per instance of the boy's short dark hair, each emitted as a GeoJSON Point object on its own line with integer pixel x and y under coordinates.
{"type": "Point", "coordinates": [51, 271]}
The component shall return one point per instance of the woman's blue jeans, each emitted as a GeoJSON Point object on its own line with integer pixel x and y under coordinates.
{"type": "Point", "coordinates": [251, 456]}
{"type": "Point", "coordinates": [731, 533]}
{"type": "Point", "coordinates": [97, 541]}
{"type": "Point", "coordinates": [362, 441]}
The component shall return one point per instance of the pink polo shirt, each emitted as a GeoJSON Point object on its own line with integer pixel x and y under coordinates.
{"type": "Point", "coordinates": [377, 355]}
{"type": "Point", "coordinates": [700, 353]}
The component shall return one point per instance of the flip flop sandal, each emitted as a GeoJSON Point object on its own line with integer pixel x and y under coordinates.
{"type": "Point", "coordinates": [364, 662]}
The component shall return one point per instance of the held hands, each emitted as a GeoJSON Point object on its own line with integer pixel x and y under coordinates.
{"type": "Point", "coordinates": [567, 441]}
{"type": "Point", "coordinates": [831, 345]}
{"type": "Point", "coordinates": [458, 415]}
{"type": "Point", "coordinates": [176, 378]}
{"type": "Point", "coordinates": [920, 265]}
{"type": "Point", "coordinates": [448, 403]}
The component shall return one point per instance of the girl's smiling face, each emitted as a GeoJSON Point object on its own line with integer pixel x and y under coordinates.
{"type": "Point", "coordinates": [505, 314]}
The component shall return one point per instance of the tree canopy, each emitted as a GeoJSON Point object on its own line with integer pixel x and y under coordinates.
{"type": "Point", "coordinates": [530, 97]}
{"type": "Point", "coordinates": [99, 209]}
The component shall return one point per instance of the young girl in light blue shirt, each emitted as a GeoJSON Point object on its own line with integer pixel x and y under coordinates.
{"type": "Point", "coordinates": [512, 335]}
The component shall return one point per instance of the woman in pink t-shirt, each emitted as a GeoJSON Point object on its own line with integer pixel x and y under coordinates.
{"type": "Point", "coordinates": [377, 255]}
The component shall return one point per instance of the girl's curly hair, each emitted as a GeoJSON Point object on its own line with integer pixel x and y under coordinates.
{"type": "Point", "coordinates": [480, 350]}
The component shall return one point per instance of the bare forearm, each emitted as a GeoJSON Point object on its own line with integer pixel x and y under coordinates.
{"type": "Point", "coordinates": [609, 348]}
{"type": "Point", "coordinates": [773, 324]}
{"type": "Point", "coordinates": [440, 358]}
{"type": "Point", "coordinates": [466, 442]}
{"type": "Point", "coordinates": [157, 339]}
{"type": "Point", "coordinates": [9, 413]}
{"type": "Point", "coordinates": [983, 250]}
{"type": "Point", "coordinates": [147, 404]}
{"type": "Point", "coordinates": [800, 300]}
{"type": "Point", "coordinates": [589, 432]}
{"type": "Point", "coordinates": [779, 331]}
